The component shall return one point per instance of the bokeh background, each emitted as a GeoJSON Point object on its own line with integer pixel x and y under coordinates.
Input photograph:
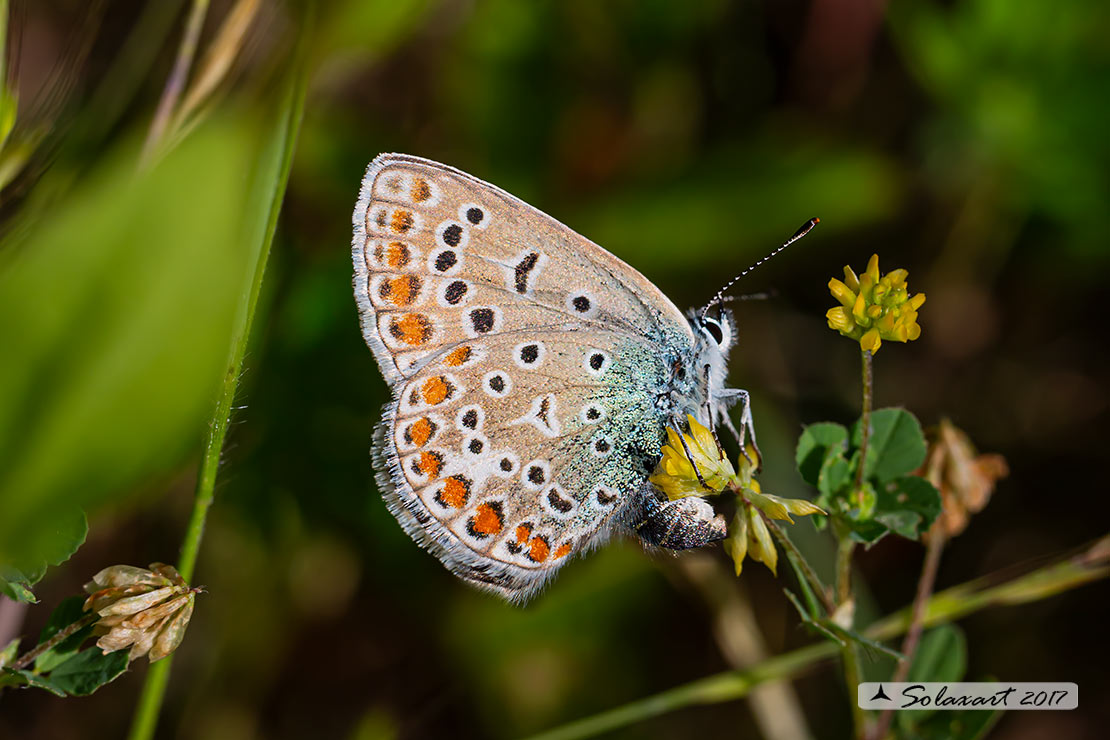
{"type": "Point", "coordinates": [966, 141]}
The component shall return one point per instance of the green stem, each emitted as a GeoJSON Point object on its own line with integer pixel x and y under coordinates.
{"type": "Point", "coordinates": [925, 586]}
{"type": "Point", "coordinates": [865, 415]}
{"type": "Point", "coordinates": [844, 550]}
{"type": "Point", "coordinates": [27, 658]}
{"type": "Point", "coordinates": [849, 656]}
{"type": "Point", "coordinates": [959, 601]}
{"type": "Point", "coordinates": [709, 690]}
{"type": "Point", "coordinates": [798, 559]}
{"type": "Point", "coordinates": [269, 185]}
{"type": "Point", "coordinates": [846, 547]}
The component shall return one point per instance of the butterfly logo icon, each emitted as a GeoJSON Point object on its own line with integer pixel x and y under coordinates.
{"type": "Point", "coordinates": [533, 377]}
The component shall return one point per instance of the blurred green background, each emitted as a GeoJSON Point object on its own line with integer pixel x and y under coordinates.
{"type": "Point", "coordinates": [965, 141]}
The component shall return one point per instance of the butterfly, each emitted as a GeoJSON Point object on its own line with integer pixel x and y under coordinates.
{"type": "Point", "coordinates": [533, 377]}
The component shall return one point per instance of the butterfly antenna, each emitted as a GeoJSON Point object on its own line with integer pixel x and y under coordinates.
{"type": "Point", "coordinates": [719, 298]}
{"type": "Point", "coordinates": [763, 296]}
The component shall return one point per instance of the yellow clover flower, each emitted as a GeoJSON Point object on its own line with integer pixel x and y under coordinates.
{"type": "Point", "coordinates": [749, 535]}
{"type": "Point", "coordinates": [675, 475]}
{"type": "Point", "coordinates": [875, 307]}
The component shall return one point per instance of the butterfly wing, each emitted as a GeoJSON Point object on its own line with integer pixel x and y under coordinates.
{"type": "Point", "coordinates": [524, 364]}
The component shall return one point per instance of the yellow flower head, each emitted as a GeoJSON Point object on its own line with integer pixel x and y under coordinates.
{"type": "Point", "coordinates": [675, 475]}
{"type": "Point", "coordinates": [749, 535]}
{"type": "Point", "coordinates": [875, 307]}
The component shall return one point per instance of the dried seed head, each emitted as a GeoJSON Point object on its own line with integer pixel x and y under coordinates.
{"type": "Point", "coordinates": [144, 609]}
{"type": "Point", "coordinates": [964, 478]}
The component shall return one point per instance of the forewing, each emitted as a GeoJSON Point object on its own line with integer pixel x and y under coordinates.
{"type": "Point", "coordinates": [442, 257]}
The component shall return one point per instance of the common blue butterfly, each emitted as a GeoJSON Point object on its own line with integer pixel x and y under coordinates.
{"type": "Point", "coordinates": [533, 375]}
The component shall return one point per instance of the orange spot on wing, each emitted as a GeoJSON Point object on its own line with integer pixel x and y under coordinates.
{"type": "Point", "coordinates": [402, 290]}
{"type": "Point", "coordinates": [523, 532]}
{"type": "Point", "coordinates": [457, 356]}
{"type": "Point", "coordinates": [488, 520]}
{"type": "Point", "coordinates": [420, 190]}
{"type": "Point", "coordinates": [420, 432]}
{"type": "Point", "coordinates": [563, 550]}
{"type": "Point", "coordinates": [396, 255]}
{"type": "Point", "coordinates": [402, 221]}
{"type": "Point", "coordinates": [456, 491]}
{"type": "Point", "coordinates": [413, 329]}
{"type": "Point", "coordinates": [435, 390]}
{"type": "Point", "coordinates": [429, 464]}
{"type": "Point", "coordinates": [538, 549]}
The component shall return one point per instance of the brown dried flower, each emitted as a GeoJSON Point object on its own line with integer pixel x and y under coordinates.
{"type": "Point", "coordinates": [964, 478]}
{"type": "Point", "coordinates": [146, 610]}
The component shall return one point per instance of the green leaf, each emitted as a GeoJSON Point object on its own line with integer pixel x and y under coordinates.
{"type": "Point", "coordinates": [88, 670]}
{"type": "Point", "coordinates": [867, 532]}
{"type": "Point", "coordinates": [835, 475]}
{"type": "Point", "coordinates": [10, 677]}
{"type": "Point", "coordinates": [115, 315]}
{"type": "Point", "coordinates": [814, 445]}
{"type": "Point", "coordinates": [941, 656]}
{"type": "Point", "coordinates": [896, 447]}
{"type": "Point", "coordinates": [66, 613]}
{"type": "Point", "coordinates": [68, 529]}
{"type": "Point", "coordinates": [908, 506]}
{"type": "Point", "coordinates": [16, 586]}
{"type": "Point", "coordinates": [9, 653]}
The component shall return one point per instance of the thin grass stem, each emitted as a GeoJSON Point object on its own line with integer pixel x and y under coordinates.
{"type": "Point", "coordinates": [267, 194]}
{"type": "Point", "coordinates": [1092, 565]}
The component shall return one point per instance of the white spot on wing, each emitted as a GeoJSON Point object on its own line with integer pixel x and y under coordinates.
{"type": "Point", "coordinates": [542, 415]}
{"type": "Point", "coordinates": [464, 414]}
{"type": "Point", "coordinates": [596, 362]}
{"type": "Point", "coordinates": [529, 355]}
{"type": "Point", "coordinates": [489, 384]}
{"type": "Point", "coordinates": [463, 235]}
{"type": "Point", "coordinates": [527, 470]}
{"type": "Point", "coordinates": [464, 215]}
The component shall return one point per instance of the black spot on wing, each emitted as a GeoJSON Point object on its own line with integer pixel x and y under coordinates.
{"type": "Point", "coordinates": [522, 270]}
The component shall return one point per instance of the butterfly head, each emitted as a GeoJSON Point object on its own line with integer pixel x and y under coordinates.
{"type": "Point", "coordinates": [715, 328]}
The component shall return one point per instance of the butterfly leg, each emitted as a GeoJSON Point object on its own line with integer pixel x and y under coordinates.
{"type": "Point", "coordinates": [747, 424]}
{"type": "Point", "coordinates": [676, 525]}
{"type": "Point", "coordinates": [693, 462]}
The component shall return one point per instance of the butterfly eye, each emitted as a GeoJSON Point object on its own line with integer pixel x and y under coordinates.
{"type": "Point", "coordinates": [715, 331]}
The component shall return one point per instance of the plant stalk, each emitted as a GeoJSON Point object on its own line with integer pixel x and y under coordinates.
{"type": "Point", "coordinates": [917, 617]}
{"type": "Point", "coordinates": [29, 657]}
{"type": "Point", "coordinates": [795, 554]}
{"type": "Point", "coordinates": [849, 656]}
{"type": "Point", "coordinates": [865, 415]}
{"type": "Point", "coordinates": [846, 547]}
{"type": "Point", "coordinates": [261, 233]}
{"type": "Point", "coordinates": [1089, 566]}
